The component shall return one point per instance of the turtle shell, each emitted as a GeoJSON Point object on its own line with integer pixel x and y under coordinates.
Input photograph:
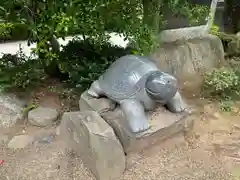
{"type": "Point", "coordinates": [121, 80]}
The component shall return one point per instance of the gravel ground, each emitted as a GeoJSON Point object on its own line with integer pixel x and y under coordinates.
{"type": "Point", "coordinates": [170, 163]}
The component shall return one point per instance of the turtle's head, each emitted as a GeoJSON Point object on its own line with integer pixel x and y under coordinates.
{"type": "Point", "coordinates": [161, 86]}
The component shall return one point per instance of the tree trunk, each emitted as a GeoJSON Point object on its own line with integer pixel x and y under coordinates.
{"type": "Point", "coordinates": [55, 44]}
{"type": "Point", "coordinates": [231, 16]}
{"type": "Point", "coordinates": [52, 69]}
{"type": "Point", "coordinates": [211, 16]}
{"type": "Point", "coordinates": [151, 14]}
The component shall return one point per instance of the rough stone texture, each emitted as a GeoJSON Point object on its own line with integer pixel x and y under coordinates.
{"type": "Point", "coordinates": [186, 33]}
{"type": "Point", "coordinates": [58, 131]}
{"type": "Point", "coordinates": [10, 110]}
{"type": "Point", "coordinates": [100, 105]}
{"type": "Point", "coordinates": [44, 137]}
{"type": "Point", "coordinates": [95, 142]}
{"type": "Point", "coordinates": [190, 58]}
{"type": "Point", "coordinates": [21, 141]}
{"type": "Point", "coordinates": [164, 124]}
{"type": "Point", "coordinates": [42, 116]}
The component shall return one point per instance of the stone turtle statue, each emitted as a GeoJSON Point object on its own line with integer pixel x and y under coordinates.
{"type": "Point", "coordinates": [136, 84]}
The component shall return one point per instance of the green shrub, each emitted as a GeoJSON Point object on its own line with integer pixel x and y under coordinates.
{"type": "Point", "coordinates": [19, 71]}
{"type": "Point", "coordinates": [223, 83]}
{"type": "Point", "coordinates": [234, 47]}
{"type": "Point", "coordinates": [85, 61]}
{"type": "Point", "coordinates": [231, 42]}
{"type": "Point", "coordinates": [226, 105]}
{"type": "Point", "coordinates": [20, 32]}
{"type": "Point", "coordinates": [14, 33]}
{"type": "Point", "coordinates": [80, 62]}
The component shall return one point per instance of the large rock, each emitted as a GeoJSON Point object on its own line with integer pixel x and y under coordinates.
{"type": "Point", "coordinates": [189, 58]}
{"type": "Point", "coordinates": [11, 110]}
{"type": "Point", "coordinates": [95, 142]}
{"type": "Point", "coordinates": [42, 116]}
{"type": "Point", "coordinates": [164, 125]}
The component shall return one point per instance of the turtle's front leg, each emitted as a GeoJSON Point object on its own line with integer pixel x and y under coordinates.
{"type": "Point", "coordinates": [135, 115]}
{"type": "Point", "coordinates": [149, 104]}
{"type": "Point", "coordinates": [95, 90]}
{"type": "Point", "coordinates": [176, 104]}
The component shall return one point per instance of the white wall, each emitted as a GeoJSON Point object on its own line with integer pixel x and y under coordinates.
{"type": "Point", "coordinates": [13, 47]}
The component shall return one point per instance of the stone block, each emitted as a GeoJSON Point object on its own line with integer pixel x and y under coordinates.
{"type": "Point", "coordinates": [95, 142]}
{"type": "Point", "coordinates": [164, 125]}
{"type": "Point", "coordinates": [42, 116]}
{"type": "Point", "coordinates": [86, 103]}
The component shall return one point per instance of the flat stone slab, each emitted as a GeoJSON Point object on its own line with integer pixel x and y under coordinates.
{"type": "Point", "coordinates": [88, 103]}
{"type": "Point", "coordinates": [95, 142]}
{"type": "Point", "coordinates": [164, 125]}
{"type": "Point", "coordinates": [20, 142]}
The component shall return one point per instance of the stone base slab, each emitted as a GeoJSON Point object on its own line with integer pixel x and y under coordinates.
{"type": "Point", "coordinates": [164, 124]}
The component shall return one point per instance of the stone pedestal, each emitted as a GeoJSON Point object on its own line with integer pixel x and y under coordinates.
{"type": "Point", "coordinates": [95, 142]}
{"type": "Point", "coordinates": [164, 124]}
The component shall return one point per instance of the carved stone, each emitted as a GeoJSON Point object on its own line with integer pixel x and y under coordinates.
{"type": "Point", "coordinates": [137, 85]}
{"type": "Point", "coordinates": [95, 142]}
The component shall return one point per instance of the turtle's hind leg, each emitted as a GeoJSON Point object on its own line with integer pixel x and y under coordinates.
{"type": "Point", "coordinates": [135, 115]}
{"type": "Point", "coordinates": [95, 90]}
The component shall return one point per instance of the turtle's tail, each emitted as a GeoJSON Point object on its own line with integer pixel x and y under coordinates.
{"type": "Point", "coordinates": [95, 90]}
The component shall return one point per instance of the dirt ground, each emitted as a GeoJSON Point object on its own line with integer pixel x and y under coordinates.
{"type": "Point", "coordinates": [210, 151]}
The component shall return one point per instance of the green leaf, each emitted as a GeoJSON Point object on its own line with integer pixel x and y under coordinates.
{"type": "Point", "coordinates": [2, 9]}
